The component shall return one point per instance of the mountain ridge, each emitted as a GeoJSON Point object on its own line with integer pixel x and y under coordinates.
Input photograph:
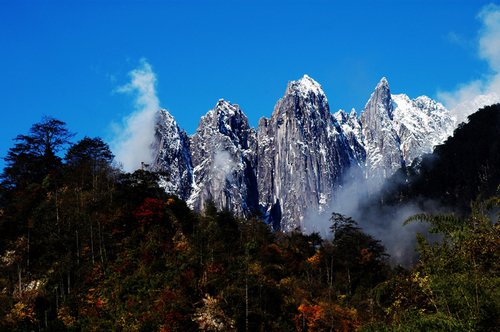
{"type": "Point", "coordinates": [297, 159]}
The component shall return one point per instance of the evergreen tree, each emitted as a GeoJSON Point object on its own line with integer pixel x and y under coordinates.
{"type": "Point", "coordinates": [34, 156]}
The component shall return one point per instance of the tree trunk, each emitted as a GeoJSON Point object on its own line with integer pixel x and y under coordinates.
{"type": "Point", "coordinates": [57, 215]}
{"type": "Point", "coordinates": [91, 241]}
{"type": "Point", "coordinates": [69, 281]}
{"type": "Point", "coordinates": [19, 278]}
{"type": "Point", "coordinates": [348, 281]}
{"type": "Point", "coordinates": [101, 255]}
{"type": "Point", "coordinates": [28, 251]}
{"type": "Point", "coordinates": [77, 249]}
{"type": "Point", "coordinates": [246, 304]}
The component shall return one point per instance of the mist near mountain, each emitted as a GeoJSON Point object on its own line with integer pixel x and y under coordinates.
{"type": "Point", "coordinates": [133, 137]}
{"type": "Point", "coordinates": [302, 160]}
{"type": "Point", "coordinates": [300, 165]}
{"type": "Point", "coordinates": [463, 169]}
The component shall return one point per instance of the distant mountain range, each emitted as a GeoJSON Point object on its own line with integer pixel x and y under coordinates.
{"type": "Point", "coordinates": [296, 160]}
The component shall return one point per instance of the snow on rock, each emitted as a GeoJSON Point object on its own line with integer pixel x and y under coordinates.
{"type": "Point", "coordinates": [351, 126]}
{"type": "Point", "coordinates": [381, 140]}
{"type": "Point", "coordinates": [305, 87]}
{"type": "Point", "coordinates": [222, 150]}
{"type": "Point", "coordinates": [302, 154]}
{"type": "Point", "coordinates": [296, 160]}
{"type": "Point", "coordinates": [171, 156]}
{"type": "Point", "coordinates": [394, 130]}
{"type": "Point", "coordinates": [421, 123]}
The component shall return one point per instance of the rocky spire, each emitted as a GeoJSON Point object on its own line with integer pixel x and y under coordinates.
{"type": "Point", "coordinates": [381, 141]}
{"type": "Point", "coordinates": [295, 163]}
{"type": "Point", "coordinates": [302, 154]}
{"type": "Point", "coordinates": [305, 87]}
{"type": "Point", "coordinates": [222, 152]}
{"type": "Point", "coordinates": [171, 156]}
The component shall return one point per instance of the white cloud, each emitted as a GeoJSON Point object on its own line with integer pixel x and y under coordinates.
{"type": "Point", "coordinates": [489, 43]}
{"type": "Point", "coordinates": [484, 91]}
{"type": "Point", "coordinates": [133, 138]}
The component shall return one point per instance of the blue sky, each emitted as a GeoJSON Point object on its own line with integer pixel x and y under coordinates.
{"type": "Point", "coordinates": [72, 59]}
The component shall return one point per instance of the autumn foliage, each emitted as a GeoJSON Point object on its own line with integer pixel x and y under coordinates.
{"type": "Point", "coordinates": [151, 211]}
{"type": "Point", "coordinates": [86, 247]}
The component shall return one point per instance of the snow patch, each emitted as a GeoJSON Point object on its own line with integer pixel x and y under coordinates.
{"type": "Point", "coordinates": [306, 86]}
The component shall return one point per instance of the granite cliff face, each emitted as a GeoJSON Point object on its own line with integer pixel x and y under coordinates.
{"type": "Point", "coordinates": [380, 139]}
{"type": "Point", "coordinates": [352, 129]}
{"type": "Point", "coordinates": [302, 154]}
{"type": "Point", "coordinates": [394, 130]}
{"type": "Point", "coordinates": [172, 156]}
{"type": "Point", "coordinates": [296, 160]}
{"type": "Point", "coordinates": [222, 151]}
{"type": "Point", "coordinates": [421, 124]}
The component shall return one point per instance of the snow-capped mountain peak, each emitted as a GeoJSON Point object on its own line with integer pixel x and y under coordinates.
{"type": "Point", "coordinates": [304, 87]}
{"type": "Point", "coordinates": [397, 129]}
{"type": "Point", "coordinates": [379, 105]}
{"type": "Point", "coordinates": [383, 83]}
{"type": "Point", "coordinates": [296, 161]}
{"type": "Point", "coordinates": [421, 124]}
{"type": "Point", "coordinates": [222, 152]}
{"type": "Point", "coordinates": [301, 153]}
{"type": "Point", "coordinates": [353, 113]}
{"type": "Point", "coordinates": [226, 107]}
{"type": "Point", "coordinates": [171, 155]}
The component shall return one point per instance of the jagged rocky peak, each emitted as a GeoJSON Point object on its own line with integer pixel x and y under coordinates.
{"type": "Point", "coordinates": [301, 155]}
{"type": "Point", "coordinates": [171, 156]}
{"type": "Point", "coordinates": [222, 152]}
{"type": "Point", "coordinates": [379, 107]}
{"type": "Point", "coordinates": [343, 117]}
{"type": "Point", "coordinates": [421, 124]}
{"type": "Point", "coordinates": [305, 87]}
{"type": "Point", "coordinates": [426, 103]}
{"type": "Point", "coordinates": [227, 121]}
{"type": "Point", "coordinates": [380, 101]}
{"type": "Point", "coordinates": [383, 83]}
{"type": "Point", "coordinates": [397, 129]}
{"type": "Point", "coordinates": [310, 95]}
{"type": "Point", "coordinates": [381, 141]}
{"type": "Point", "coordinates": [351, 127]}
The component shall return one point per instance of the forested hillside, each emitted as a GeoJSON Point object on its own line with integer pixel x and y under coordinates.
{"type": "Point", "coordinates": [86, 247]}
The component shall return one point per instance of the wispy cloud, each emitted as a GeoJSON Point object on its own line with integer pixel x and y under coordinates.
{"type": "Point", "coordinates": [384, 223]}
{"type": "Point", "coordinates": [470, 96]}
{"type": "Point", "coordinates": [133, 138]}
{"type": "Point", "coordinates": [457, 39]}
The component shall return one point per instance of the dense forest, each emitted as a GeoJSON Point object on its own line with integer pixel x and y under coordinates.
{"type": "Point", "coordinates": [87, 247]}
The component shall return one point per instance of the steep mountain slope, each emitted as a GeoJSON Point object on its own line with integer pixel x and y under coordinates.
{"type": "Point", "coordinates": [466, 166]}
{"type": "Point", "coordinates": [302, 154]}
{"type": "Point", "coordinates": [351, 126]}
{"type": "Point", "coordinates": [421, 124]}
{"type": "Point", "coordinates": [296, 160]}
{"type": "Point", "coordinates": [393, 130]}
{"type": "Point", "coordinates": [172, 156]}
{"type": "Point", "coordinates": [222, 151]}
{"type": "Point", "coordinates": [381, 140]}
